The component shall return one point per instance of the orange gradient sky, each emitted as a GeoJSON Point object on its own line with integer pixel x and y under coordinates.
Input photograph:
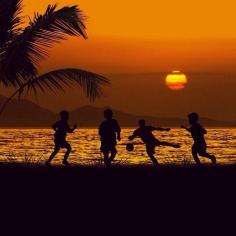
{"type": "Point", "coordinates": [131, 41]}
{"type": "Point", "coordinates": [146, 36]}
{"type": "Point", "coordinates": [152, 18]}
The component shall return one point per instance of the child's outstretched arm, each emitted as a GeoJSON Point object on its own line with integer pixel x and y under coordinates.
{"type": "Point", "coordinates": [204, 131]}
{"type": "Point", "coordinates": [184, 127]}
{"type": "Point", "coordinates": [118, 131]}
{"type": "Point", "coordinates": [100, 130]}
{"type": "Point", "coordinates": [54, 126]}
{"type": "Point", "coordinates": [161, 129]}
{"type": "Point", "coordinates": [133, 136]}
{"type": "Point", "coordinates": [71, 130]}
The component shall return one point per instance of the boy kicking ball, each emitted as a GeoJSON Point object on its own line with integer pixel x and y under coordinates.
{"type": "Point", "coordinates": [146, 135]}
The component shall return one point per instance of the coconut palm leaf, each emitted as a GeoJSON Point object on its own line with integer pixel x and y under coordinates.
{"type": "Point", "coordinates": [61, 79]}
{"type": "Point", "coordinates": [52, 27]}
{"type": "Point", "coordinates": [20, 59]}
{"type": "Point", "coordinates": [16, 69]}
{"type": "Point", "coordinates": [21, 50]}
{"type": "Point", "coordinates": [9, 19]}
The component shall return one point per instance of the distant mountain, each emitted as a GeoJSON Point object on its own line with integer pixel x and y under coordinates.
{"type": "Point", "coordinates": [24, 113]}
{"type": "Point", "coordinates": [211, 94]}
{"type": "Point", "coordinates": [89, 116]}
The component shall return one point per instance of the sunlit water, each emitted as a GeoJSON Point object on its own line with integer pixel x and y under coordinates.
{"type": "Point", "coordinates": [35, 145]}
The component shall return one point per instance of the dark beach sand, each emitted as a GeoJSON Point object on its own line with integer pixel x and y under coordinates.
{"type": "Point", "coordinates": [129, 199]}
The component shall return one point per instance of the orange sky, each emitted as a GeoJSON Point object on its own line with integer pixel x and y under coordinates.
{"type": "Point", "coordinates": [145, 36]}
{"type": "Point", "coordinates": [152, 18]}
{"type": "Point", "coordinates": [140, 36]}
{"type": "Point", "coordinates": [131, 37]}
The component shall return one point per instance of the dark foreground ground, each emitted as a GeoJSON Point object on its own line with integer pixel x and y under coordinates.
{"type": "Point", "coordinates": [118, 201]}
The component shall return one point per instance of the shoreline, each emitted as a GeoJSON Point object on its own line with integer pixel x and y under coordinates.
{"type": "Point", "coordinates": [96, 127]}
{"type": "Point", "coordinates": [116, 167]}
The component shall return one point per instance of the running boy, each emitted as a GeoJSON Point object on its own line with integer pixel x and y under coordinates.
{"type": "Point", "coordinates": [109, 132]}
{"type": "Point", "coordinates": [61, 129]}
{"type": "Point", "coordinates": [145, 133]}
{"type": "Point", "coordinates": [197, 131]}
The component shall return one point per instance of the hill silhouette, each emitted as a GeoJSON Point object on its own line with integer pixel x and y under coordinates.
{"type": "Point", "coordinates": [211, 94]}
{"type": "Point", "coordinates": [24, 113]}
{"type": "Point", "coordinates": [90, 116]}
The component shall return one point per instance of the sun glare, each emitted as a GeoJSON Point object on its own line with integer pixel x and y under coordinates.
{"type": "Point", "coordinates": [176, 80]}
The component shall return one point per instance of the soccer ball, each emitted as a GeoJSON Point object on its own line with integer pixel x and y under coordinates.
{"type": "Point", "coordinates": [129, 147]}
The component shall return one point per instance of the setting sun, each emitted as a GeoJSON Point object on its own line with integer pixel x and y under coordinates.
{"type": "Point", "coordinates": [176, 80]}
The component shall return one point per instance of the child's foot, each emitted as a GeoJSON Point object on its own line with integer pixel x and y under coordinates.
{"type": "Point", "coordinates": [198, 163]}
{"type": "Point", "coordinates": [47, 163]}
{"type": "Point", "coordinates": [176, 145]}
{"type": "Point", "coordinates": [66, 163]}
{"type": "Point", "coordinates": [156, 164]}
{"type": "Point", "coordinates": [108, 164]}
{"type": "Point", "coordinates": [213, 159]}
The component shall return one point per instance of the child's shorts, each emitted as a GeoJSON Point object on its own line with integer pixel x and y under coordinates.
{"type": "Point", "coordinates": [108, 146]}
{"type": "Point", "coordinates": [199, 148]}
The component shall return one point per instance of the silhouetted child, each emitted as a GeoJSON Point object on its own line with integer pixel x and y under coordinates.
{"type": "Point", "coordinates": [145, 133]}
{"type": "Point", "coordinates": [61, 128]}
{"type": "Point", "coordinates": [197, 131]}
{"type": "Point", "coordinates": [109, 132]}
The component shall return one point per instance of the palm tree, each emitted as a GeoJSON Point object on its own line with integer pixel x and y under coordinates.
{"type": "Point", "coordinates": [21, 50]}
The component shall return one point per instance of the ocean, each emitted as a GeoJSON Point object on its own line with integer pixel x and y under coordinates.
{"type": "Point", "coordinates": [35, 145]}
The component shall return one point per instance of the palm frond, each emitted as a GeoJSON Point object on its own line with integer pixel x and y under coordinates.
{"type": "Point", "coordinates": [20, 58]}
{"type": "Point", "coordinates": [61, 79]}
{"type": "Point", "coordinates": [15, 68]}
{"type": "Point", "coordinates": [10, 19]}
{"type": "Point", "coordinates": [53, 26]}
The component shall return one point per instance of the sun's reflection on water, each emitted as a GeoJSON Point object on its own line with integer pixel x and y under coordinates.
{"type": "Point", "coordinates": [20, 144]}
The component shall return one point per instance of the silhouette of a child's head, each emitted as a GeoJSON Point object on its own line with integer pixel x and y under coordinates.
{"type": "Point", "coordinates": [64, 115]}
{"type": "Point", "coordinates": [108, 114]}
{"type": "Point", "coordinates": [142, 123]}
{"type": "Point", "coordinates": [193, 118]}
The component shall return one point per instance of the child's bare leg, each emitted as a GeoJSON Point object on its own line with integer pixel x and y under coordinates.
{"type": "Point", "coordinates": [54, 153]}
{"type": "Point", "coordinates": [151, 151]}
{"type": "Point", "coordinates": [153, 159]}
{"type": "Point", "coordinates": [195, 156]}
{"type": "Point", "coordinates": [210, 156]}
{"type": "Point", "coordinates": [68, 151]}
{"type": "Point", "coordinates": [106, 159]}
{"type": "Point", "coordinates": [169, 144]}
{"type": "Point", "coordinates": [113, 154]}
